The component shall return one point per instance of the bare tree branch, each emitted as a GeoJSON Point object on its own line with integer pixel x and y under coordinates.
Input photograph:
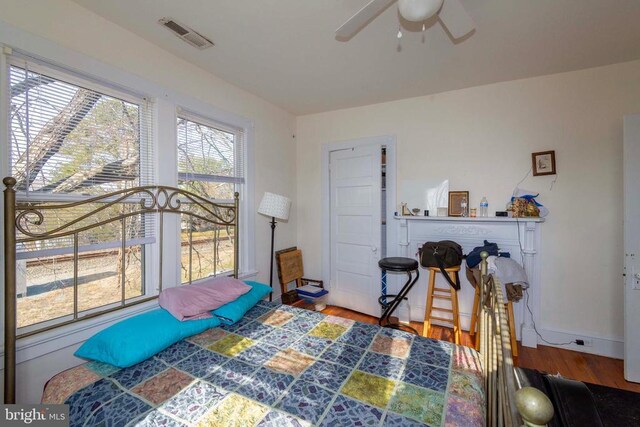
{"type": "Point", "coordinates": [49, 140]}
{"type": "Point", "coordinates": [28, 84]}
{"type": "Point", "coordinates": [120, 170]}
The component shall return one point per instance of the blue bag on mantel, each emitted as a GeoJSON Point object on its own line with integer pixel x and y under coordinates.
{"type": "Point", "coordinates": [473, 259]}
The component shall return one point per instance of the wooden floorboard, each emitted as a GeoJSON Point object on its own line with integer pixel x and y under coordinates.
{"type": "Point", "coordinates": [570, 364]}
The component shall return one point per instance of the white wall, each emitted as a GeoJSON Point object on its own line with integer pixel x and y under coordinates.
{"type": "Point", "coordinates": [70, 28]}
{"type": "Point", "coordinates": [482, 139]}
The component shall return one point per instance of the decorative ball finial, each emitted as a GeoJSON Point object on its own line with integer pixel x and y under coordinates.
{"type": "Point", "coordinates": [484, 254]}
{"type": "Point", "coordinates": [534, 406]}
{"type": "Point", "coordinates": [9, 181]}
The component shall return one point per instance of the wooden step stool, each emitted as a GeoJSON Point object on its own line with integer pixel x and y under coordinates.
{"type": "Point", "coordinates": [447, 294]}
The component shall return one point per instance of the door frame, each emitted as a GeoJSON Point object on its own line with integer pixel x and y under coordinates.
{"type": "Point", "coordinates": [631, 295]}
{"type": "Point", "coordinates": [392, 233]}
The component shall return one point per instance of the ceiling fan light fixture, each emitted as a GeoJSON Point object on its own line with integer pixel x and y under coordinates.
{"type": "Point", "coordinates": [418, 10]}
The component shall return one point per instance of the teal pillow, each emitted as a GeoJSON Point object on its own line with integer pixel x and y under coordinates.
{"type": "Point", "coordinates": [232, 312]}
{"type": "Point", "coordinates": [137, 338]}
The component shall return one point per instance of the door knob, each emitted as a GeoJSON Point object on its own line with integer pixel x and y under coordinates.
{"type": "Point", "coordinates": [374, 249]}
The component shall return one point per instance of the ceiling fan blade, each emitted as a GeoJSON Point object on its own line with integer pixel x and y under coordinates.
{"type": "Point", "coordinates": [455, 19]}
{"type": "Point", "coordinates": [362, 18]}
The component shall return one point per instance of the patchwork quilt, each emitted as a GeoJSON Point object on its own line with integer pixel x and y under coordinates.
{"type": "Point", "coordinates": [283, 366]}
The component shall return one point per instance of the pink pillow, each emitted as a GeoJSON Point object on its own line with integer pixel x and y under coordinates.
{"type": "Point", "coordinates": [190, 302]}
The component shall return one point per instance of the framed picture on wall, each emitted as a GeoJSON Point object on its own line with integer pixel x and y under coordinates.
{"type": "Point", "coordinates": [543, 163]}
{"type": "Point", "coordinates": [458, 203]}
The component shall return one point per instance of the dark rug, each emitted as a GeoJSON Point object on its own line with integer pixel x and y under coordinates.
{"type": "Point", "coordinates": [616, 407]}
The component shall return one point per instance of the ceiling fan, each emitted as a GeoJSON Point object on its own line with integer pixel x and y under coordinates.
{"type": "Point", "coordinates": [451, 14]}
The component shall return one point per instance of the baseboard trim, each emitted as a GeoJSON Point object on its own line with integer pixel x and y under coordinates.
{"type": "Point", "coordinates": [601, 346]}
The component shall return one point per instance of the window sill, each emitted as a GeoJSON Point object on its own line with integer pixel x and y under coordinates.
{"type": "Point", "coordinates": [248, 275]}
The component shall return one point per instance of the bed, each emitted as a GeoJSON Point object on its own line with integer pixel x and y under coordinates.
{"type": "Point", "coordinates": [278, 365]}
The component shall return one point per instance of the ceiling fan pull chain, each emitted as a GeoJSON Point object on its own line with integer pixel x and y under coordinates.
{"type": "Point", "coordinates": [399, 32]}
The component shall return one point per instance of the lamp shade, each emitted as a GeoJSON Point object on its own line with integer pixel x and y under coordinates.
{"type": "Point", "coordinates": [275, 206]}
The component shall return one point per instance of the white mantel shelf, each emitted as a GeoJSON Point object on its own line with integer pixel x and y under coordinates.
{"type": "Point", "coordinates": [469, 219]}
{"type": "Point", "coordinates": [518, 236]}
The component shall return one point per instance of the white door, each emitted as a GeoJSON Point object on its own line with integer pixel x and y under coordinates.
{"type": "Point", "coordinates": [631, 163]}
{"type": "Point", "coordinates": [355, 180]}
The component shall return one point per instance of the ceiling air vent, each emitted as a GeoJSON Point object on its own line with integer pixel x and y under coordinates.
{"type": "Point", "coordinates": [187, 34]}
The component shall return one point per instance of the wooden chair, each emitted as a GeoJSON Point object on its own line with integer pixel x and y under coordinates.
{"type": "Point", "coordinates": [290, 269]}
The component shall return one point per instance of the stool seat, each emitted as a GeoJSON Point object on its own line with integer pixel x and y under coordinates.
{"type": "Point", "coordinates": [448, 269]}
{"type": "Point", "coordinates": [398, 264]}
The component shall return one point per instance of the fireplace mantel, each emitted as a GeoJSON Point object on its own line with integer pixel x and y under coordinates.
{"type": "Point", "coordinates": [518, 236]}
{"type": "Point", "coordinates": [469, 219]}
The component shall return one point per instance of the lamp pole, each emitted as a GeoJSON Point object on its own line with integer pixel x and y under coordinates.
{"type": "Point", "coordinates": [274, 206]}
{"type": "Point", "coordinates": [273, 232]}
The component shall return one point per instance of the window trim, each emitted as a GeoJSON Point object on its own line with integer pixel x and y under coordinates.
{"type": "Point", "coordinates": [241, 187]}
{"type": "Point", "coordinates": [147, 143]}
{"type": "Point", "coordinates": [68, 75]}
{"type": "Point", "coordinates": [206, 120]}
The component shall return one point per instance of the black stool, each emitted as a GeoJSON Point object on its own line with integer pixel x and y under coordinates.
{"type": "Point", "coordinates": [400, 265]}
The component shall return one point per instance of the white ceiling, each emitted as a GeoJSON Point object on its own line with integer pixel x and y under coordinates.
{"type": "Point", "coordinates": [285, 51]}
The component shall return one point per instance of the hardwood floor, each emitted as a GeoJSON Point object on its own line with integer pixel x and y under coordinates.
{"type": "Point", "coordinates": [578, 366]}
{"type": "Point", "coordinates": [570, 364]}
{"type": "Point", "coordinates": [443, 334]}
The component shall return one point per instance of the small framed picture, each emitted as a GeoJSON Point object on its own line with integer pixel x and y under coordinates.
{"type": "Point", "coordinates": [458, 203]}
{"type": "Point", "coordinates": [543, 163]}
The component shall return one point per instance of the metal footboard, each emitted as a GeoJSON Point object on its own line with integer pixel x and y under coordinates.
{"type": "Point", "coordinates": [508, 404]}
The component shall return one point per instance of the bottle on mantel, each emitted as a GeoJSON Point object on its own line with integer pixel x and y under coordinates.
{"type": "Point", "coordinates": [463, 207]}
{"type": "Point", "coordinates": [484, 207]}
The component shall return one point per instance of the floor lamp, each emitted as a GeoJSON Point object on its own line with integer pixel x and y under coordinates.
{"type": "Point", "coordinates": [277, 207]}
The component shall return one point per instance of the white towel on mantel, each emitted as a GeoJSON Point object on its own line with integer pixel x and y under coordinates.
{"type": "Point", "coordinates": [508, 271]}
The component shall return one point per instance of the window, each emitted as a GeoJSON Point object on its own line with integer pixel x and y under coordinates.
{"type": "Point", "coordinates": [210, 164]}
{"type": "Point", "coordinates": [71, 139]}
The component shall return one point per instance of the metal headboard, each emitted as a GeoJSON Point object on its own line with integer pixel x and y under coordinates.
{"type": "Point", "coordinates": [25, 223]}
